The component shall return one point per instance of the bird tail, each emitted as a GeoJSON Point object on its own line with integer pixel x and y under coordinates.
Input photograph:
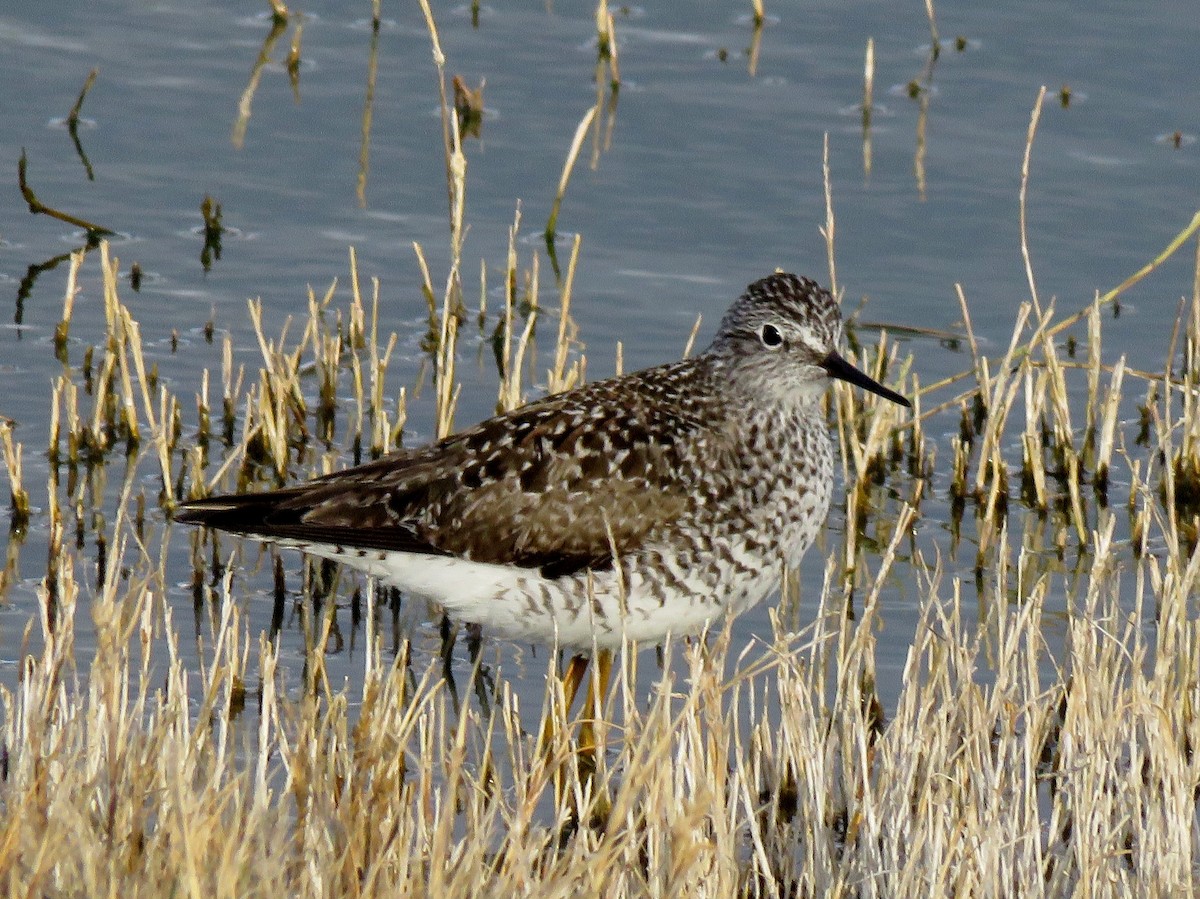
{"type": "Point", "coordinates": [284, 516]}
{"type": "Point", "coordinates": [244, 513]}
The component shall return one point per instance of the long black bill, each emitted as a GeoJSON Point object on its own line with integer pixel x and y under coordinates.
{"type": "Point", "coordinates": [843, 370]}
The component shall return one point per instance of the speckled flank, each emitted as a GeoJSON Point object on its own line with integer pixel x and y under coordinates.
{"type": "Point", "coordinates": [642, 505]}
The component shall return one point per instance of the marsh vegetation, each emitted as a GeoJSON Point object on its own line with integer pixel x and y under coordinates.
{"type": "Point", "coordinates": [1041, 740]}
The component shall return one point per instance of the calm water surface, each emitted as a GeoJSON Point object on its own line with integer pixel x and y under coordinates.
{"type": "Point", "coordinates": [711, 178]}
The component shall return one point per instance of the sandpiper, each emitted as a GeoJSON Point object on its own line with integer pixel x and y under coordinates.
{"type": "Point", "coordinates": [644, 505]}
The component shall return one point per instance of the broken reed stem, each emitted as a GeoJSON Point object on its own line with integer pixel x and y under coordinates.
{"type": "Point", "coordinates": [447, 389]}
{"type": "Point", "coordinates": [1108, 426]}
{"type": "Point", "coordinates": [1024, 194]}
{"type": "Point", "coordinates": [452, 304]}
{"type": "Point", "coordinates": [444, 107]}
{"type": "Point", "coordinates": [509, 385]}
{"type": "Point", "coordinates": [829, 229]}
{"type": "Point", "coordinates": [246, 101]}
{"type": "Point", "coordinates": [121, 338]}
{"type": "Point", "coordinates": [18, 495]}
{"type": "Point", "coordinates": [293, 59]}
{"type": "Point", "coordinates": [514, 362]}
{"type": "Point", "coordinates": [368, 113]}
{"type": "Point", "coordinates": [160, 425]}
{"type": "Point", "coordinates": [691, 340]}
{"type": "Point", "coordinates": [565, 178]}
{"type": "Point", "coordinates": [62, 330]}
{"type": "Point", "coordinates": [381, 434]}
{"type": "Point", "coordinates": [559, 378]}
{"type": "Point", "coordinates": [356, 339]}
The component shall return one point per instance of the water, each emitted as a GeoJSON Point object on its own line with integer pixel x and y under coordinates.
{"type": "Point", "coordinates": [712, 178]}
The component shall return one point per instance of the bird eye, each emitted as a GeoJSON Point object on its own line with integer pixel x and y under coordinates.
{"type": "Point", "coordinates": [770, 336]}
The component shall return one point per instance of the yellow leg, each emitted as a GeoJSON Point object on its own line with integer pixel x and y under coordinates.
{"type": "Point", "coordinates": [594, 708]}
{"type": "Point", "coordinates": [571, 679]}
{"type": "Point", "coordinates": [593, 705]}
{"type": "Point", "coordinates": [587, 749]}
{"type": "Point", "coordinates": [590, 745]}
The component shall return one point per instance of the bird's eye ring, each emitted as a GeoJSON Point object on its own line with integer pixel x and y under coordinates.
{"type": "Point", "coordinates": [770, 336]}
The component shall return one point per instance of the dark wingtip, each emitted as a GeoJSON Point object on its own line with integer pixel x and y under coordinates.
{"type": "Point", "coordinates": [279, 515]}
{"type": "Point", "coordinates": [243, 513]}
{"type": "Point", "coordinates": [193, 512]}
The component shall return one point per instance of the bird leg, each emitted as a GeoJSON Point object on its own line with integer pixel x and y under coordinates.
{"type": "Point", "coordinates": [576, 669]}
{"type": "Point", "coordinates": [587, 748]}
{"type": "Point", "coordinates": [571, 679]}
{"type": "Point", "coordinates": [593, 708]}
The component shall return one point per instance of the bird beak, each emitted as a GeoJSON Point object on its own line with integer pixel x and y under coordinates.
{"type": "Point", "coordinates": [839, 368]}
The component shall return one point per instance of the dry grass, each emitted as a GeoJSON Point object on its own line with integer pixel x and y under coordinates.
{"type": "Point", "coordinates": [1007, 764]}
{"type": "Point", "coordinates": [1003, 767]}
{"type": "Point", "coordinates": [1041, 742]}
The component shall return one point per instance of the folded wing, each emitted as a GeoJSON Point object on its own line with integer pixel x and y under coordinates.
{"type": "Point", "coordinates": [556, 485]}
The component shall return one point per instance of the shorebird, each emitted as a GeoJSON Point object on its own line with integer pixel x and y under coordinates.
{"type": "Point", "coordinates": [638, 507]}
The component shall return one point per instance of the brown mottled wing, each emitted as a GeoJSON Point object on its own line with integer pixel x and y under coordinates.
{"type": "Point", "coordinates": [553, 485]}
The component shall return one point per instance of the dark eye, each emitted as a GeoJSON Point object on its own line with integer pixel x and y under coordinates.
{"type": "Point", "coordinates": [770, 336]}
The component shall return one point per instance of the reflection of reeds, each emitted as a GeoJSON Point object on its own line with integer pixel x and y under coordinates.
{"type": "Point", "coordinates": [36, 206]}
{"type": "Point", "coordinates": [279, 22]}
{"type": "Point", "coordinates": [606, 47]}
{"type": "Point", "coordinates": [608, 81]}
{"type": "Point", "coordinates": [73, 123]}
{"type": "Point", "coordinates": [292, 64]}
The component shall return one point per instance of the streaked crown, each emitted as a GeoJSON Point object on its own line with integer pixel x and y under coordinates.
{"type": "Point", "coordinates": [782, 310]}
